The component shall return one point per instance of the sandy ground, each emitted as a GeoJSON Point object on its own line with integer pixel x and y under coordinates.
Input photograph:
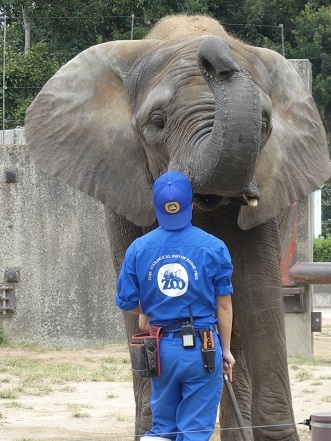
{"type": "Point", "coordinates": [105, 410]}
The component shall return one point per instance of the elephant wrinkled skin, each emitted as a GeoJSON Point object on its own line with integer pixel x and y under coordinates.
{"type": "Point", "coordinates": [238, 121]}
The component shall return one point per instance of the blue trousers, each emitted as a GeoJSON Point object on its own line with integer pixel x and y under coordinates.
{"type": "Point", "coordinates": [184, 398]}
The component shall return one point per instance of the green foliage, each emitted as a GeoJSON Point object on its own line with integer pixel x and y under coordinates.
{"type": "Point", "coordinates": [60, 30]}
{"type": "Point", "coordinates": [25, 75]}
{"type": "Point", "coordinates": [322, 249]}
{"type": "Point", "coordinates": [3, 338]}
{"type": "Point", "coordinates": [326, 210]}
{"type": "Point", "coordinates": [312, 40]}
{"type": "Point", "coordinates": [267, 15]}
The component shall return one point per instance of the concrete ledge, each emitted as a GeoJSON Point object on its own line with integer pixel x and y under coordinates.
{"type": "Point", "coordinates": [322, 296]}
{"type": "Point", "coordinates": [12, 137]}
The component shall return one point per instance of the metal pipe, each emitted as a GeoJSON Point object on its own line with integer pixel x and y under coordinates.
{"type": "Point", "coordinates": [236, 409]}
{"type": "Point", "coordinates": [305, 273]}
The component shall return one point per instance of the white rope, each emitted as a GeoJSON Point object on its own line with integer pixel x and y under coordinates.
{"type": "Point", "coordinates": [125, 437]}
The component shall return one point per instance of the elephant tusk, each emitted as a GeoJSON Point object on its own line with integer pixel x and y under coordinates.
{"type": "Point", "coordinates": [252, 202]}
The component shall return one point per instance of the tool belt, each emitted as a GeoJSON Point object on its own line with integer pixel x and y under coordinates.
{"type": "Point", "coordinates": [208, 351]}
{"type": "Point", "coordinates": [145, 352]}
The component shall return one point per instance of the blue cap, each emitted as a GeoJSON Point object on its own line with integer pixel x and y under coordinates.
{"type": "Point", "coordinates": [173, 197]}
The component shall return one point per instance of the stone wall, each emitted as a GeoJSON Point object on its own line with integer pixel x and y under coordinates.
{"type": "Point", "coordinates": [54, 237]}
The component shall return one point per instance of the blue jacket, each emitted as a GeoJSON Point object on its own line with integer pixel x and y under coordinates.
{"type": "Point", "coordinates": [169, 271]}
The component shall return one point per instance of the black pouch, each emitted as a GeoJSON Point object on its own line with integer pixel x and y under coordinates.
{"type": "Point", "coordinates": [208, 358]}
{"type": "Point", "coordinates": [145, 354]}
{"type": "Point", "coordinates": [208, 353]}
{"type": "Point", "coordinates": [152, 357]}
{"type": "Point", "coordinates": [137, 355]}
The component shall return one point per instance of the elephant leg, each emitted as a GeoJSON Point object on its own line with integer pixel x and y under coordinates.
{"type": "Point", "coordinates": [259, 312]}
{"type": "Point", "coordinates": [260, 376]}
{"type": "Point", "coordinates": [121, 234]}
{"type": "Point", "coordinates": [272, 415]}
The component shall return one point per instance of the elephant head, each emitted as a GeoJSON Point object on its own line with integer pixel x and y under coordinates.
{"type": "Point", "coordinates": [236, 119]}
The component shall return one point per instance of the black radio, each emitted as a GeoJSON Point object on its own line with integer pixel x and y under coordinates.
{"type": "Point", "coordinates": [188, 333]}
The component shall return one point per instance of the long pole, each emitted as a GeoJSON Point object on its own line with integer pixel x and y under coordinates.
{"type": "Point", "coordinates": [236, 410]}
{"type": "Point", "coordinates": [4, 80]}
{"type": "Point", "coordinates": [132, 25]}
{"type": "Point", "coordinates": [283, 42]}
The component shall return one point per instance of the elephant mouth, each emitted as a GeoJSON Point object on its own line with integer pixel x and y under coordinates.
{"type": "Point", "coordinates": [209, 202]}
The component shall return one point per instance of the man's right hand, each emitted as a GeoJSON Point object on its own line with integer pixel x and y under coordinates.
{"type": "Point", "coordinates": [143, 322]}
{"type": "Point", "coordinates": [228, 363]}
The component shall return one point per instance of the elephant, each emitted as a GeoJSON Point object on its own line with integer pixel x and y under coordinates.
{"type": "Point", "coordinates": [239, 123]}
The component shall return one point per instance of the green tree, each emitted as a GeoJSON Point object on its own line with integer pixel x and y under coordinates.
{"type": "Point", "coordinates": [313, 41]}
{"type": "Point", "coordinates": [61, 29]}
{"type": "Point", "coordinates": [257, 21]}
{"type": "Point", "coordinates": [26, 68]}
{"type": "Point", "coordinates": [42, 35]}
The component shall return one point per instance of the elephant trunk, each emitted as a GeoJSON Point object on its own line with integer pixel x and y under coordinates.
{"type": "Point", "coordinates": [230, 151]}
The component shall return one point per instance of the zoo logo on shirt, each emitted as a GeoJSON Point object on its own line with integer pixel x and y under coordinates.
{"type": "Point", "coordinates": [172, 279]}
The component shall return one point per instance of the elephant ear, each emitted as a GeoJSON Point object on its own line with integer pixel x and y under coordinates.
{"type": "Point", "coordinates": [295, 160]}
{"type": "Point", "coordinates": [79, 129]}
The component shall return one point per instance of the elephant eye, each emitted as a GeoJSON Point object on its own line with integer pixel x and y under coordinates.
{"type": "Point", "coordinates": [266, 129]}
{"type": "Point", "coordinates": [158, 119]}
{"type": "Point", "coordinates": [266, 126]}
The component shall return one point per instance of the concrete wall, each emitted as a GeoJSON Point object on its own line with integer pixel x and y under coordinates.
{"type": "Point", "coordinates": [55, 237]}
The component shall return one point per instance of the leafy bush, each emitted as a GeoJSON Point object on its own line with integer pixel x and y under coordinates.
{"type": "Point", "coordinates": [322, 249]}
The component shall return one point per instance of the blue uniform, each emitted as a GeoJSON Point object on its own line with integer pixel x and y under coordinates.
{"type": "Point", "coordinates": [168, 272]}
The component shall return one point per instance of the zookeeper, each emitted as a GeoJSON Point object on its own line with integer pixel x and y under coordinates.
{"type": "Point", "coordinates": [177, 276]}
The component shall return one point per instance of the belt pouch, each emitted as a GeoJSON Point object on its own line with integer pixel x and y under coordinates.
{"type": "Point", "coordinates": [152, 356]}
{"type": "Point", "coordinates": [145, 354]}
{"type": "Point", "coordinates": [152, 346]}
{"type": "Point", "coordinates": [208, 358]}
{"type": "Point", "coordinates": [138, 354]}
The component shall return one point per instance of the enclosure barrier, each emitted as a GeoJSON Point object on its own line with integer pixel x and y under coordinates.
{"type": "Point", "coordinates": [303, 273]}
{"type": "Point", "coordinates": [300, 273]}
{"type": "Point", "coordinates": [319, 423]}
{"type": "Point", "coordinates": [297, 276]}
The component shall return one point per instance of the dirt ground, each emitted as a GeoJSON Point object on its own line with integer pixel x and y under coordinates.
{"type": "Point", "coordinates": [94, 410]}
